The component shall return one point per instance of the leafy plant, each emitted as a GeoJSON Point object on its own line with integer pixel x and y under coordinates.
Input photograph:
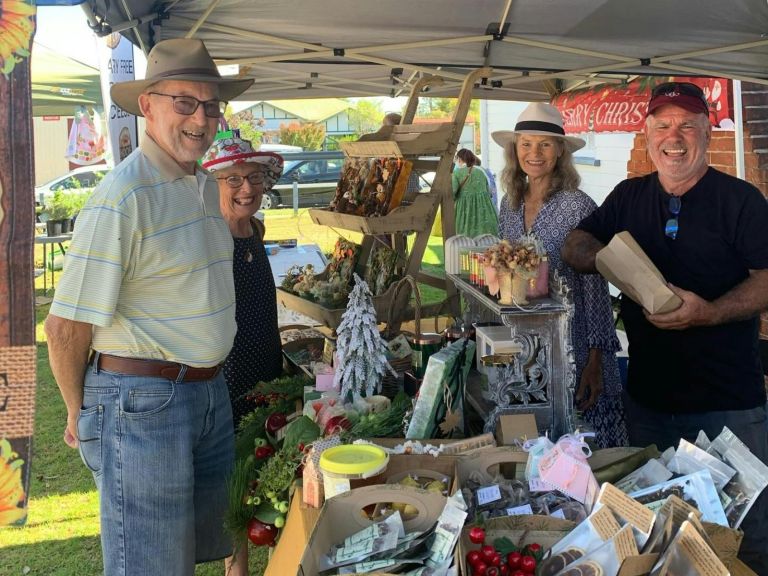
{"type": "Point", "coordinates": [310, 136]}
{"type": "Point", "coordinates": [59, 207]}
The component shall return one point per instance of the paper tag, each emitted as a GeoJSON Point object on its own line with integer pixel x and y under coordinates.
{"type": "Point", "coordinates": [604, 523]}
{"type": "Point", "coordinates": [488, 494]}
{"type": "Point", "coordinates": [624, 543]}
{"type": "Point", "coordinates": [520, 510]}
{"type": "Point", "coordinates": [626, 508]}
{"type": "Point", "coordinates": [558, 514]}
{"type": "Point", "coordinates": [701, 556]}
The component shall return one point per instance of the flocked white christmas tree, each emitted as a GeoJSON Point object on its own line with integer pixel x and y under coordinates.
{"type": "Point", "coordinates": [361, 349]}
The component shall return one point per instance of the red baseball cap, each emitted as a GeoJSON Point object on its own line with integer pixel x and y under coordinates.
{"type": "Point", "coordinates": [683, 94]}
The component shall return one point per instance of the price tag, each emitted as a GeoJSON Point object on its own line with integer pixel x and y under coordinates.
{"type": "Point", "coordinates": [520, 510]}
{"type": "Point", "coordinates": [488, 494]}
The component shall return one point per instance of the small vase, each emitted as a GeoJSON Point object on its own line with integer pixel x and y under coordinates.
{"type": "Point", "coordinates": [519, 289]}
{"type": "Point", "coordinates": [505, 288]}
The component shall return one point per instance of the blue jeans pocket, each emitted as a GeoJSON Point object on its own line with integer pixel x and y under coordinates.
{"type": "Point", "coordinates": [146, 399]}
{"type": "Point", "coordinates": [89, 427]}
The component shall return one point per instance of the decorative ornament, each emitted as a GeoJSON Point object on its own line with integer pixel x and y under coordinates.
{"type": "Point", "coordinates": [17, 25]}
{"type": "Point", "coordinates": [361, 349]}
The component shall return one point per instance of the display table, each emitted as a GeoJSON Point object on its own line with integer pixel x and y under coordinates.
{"type": "Point", "coordinates": [45, 240]}
{"type": "Point", "coordinates": [542, 377]}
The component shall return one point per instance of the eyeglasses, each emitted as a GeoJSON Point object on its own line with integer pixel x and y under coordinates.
{"type": "Point", "coordinates": [672, 225]}
{"type": "Point", "coordinates": [236, 181]}
{"type": "Point", "coordinates": [187, 105]}
{"type": "Point", "coordinates": [686, 88]}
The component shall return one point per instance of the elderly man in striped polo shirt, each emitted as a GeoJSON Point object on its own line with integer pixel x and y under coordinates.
{"type": "Point", "coordinates": [142, 318]}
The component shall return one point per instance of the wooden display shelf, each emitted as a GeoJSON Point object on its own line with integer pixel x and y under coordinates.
{"type": "Point", "coordinates": [331, 317]}
{"type": "Point", "coordinates": [416, 217]}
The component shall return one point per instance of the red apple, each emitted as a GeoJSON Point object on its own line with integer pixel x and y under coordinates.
{"type": "Point", "coordinates": [488, 551]}
{"type": "Point", "coordinates": [528, 564]}
{"type": "Point", "coordinates": [473, 556]}
{"type": "Point", "coordinates": [261, 534]}
{"type": "Point", "coordinates": [513, 559]}
{"type": "Point", "coordinates": [479, 568]}
{"type": "Point", "coordinates": [477, 535]}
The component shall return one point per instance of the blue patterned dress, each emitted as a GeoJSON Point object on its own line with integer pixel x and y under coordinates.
{"type": "Point", "coordinates": [592, 325]}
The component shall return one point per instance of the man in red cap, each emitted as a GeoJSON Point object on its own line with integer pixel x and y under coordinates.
{"type": "Point", "coordinates": [697, 367]}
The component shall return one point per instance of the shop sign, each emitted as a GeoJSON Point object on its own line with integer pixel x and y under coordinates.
{"type": "Point", "coordinates": [622, 108]}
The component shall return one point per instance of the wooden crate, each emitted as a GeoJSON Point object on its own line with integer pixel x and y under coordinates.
{"type": "Point", "coordinates": [415, 217]}
{"type": "Point", "coordinates": [331, 317]}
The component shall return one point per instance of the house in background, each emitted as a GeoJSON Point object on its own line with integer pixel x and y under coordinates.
{"type": "Point", "coordinates": [330, 112]}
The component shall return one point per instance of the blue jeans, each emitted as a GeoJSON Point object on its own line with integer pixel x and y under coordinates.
{"type": "Point", "coordinates": [161, 453]}
{"type": "Point", "coordinates": [751, 426]}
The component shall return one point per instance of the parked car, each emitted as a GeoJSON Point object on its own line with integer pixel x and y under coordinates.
{"type": "Point", "coordinates": [316, 173]}
{"type": "Point", "coordinates": [79, 179]}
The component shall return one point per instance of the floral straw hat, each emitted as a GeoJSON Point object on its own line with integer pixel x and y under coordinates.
{"type": "Point", "coordinates": [539, 119]}
{"type": "Point", "coordinates": [233, 150]}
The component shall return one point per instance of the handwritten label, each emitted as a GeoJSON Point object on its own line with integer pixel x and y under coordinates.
{"type": "Point", "coordinates": [488, 494]}
{"type": "Point", "coordinates": [520, 510]}
{"type": "Point", "coordinates": [626, 508]}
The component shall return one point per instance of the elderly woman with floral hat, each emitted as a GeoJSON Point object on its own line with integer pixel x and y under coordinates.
{"type": "Point", "coordinates": [244, 175]}
{"type": "Point", "coordinates": [543, 198]}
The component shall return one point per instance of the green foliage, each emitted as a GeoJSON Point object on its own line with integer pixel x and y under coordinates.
{"type": "Point", "coordinates": [333, 143]}
{"type": "Point", "coordinates": [365, 117]}
{"type": "Point", "coordinates": [301, 431]}
{"type": "Point", "coordinates": [59, 207]}
{"type": "Point", "coordinates": [248, 125]}
{"type": "Point", "coordinates": [310, 135]}
{"type": "Point", "coordinates": [386, 423]}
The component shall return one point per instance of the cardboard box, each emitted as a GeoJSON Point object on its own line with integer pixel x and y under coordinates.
{"type": "Point", "coordinates": [510, 461]}
{"type": "Point", "coordinates": [516, 427]}
{"type": "Point", "coordinates": [299, 523]}
{"type": "Point", "coordinates": [522, 530]}
{"type": "Point", "coordinates": [453, 447]}
{"type": "Point", "coordinates": [342, 516]}
{"type": "Point", "coordinates": [624, 264]}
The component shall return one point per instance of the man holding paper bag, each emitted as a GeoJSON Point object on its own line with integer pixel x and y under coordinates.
{"type": "Point", "coordinates": [696, 367]}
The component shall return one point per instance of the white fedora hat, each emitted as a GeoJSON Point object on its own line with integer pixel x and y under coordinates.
{"type": "Point", "coordinates": [177, 59]}
{"type": "Point", "coordinates": [539, 119]}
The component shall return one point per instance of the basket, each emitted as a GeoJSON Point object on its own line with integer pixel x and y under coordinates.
{"type": "Point", "coordinates": [391, 385]}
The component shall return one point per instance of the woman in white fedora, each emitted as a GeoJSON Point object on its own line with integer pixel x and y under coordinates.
{"type": "Point", "coordinates": [243, 175]}
{"type": "Point", "coordinates": [542, 197]}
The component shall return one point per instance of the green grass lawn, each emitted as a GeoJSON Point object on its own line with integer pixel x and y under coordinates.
{"type": "Point", "coordinates": [61, 536]}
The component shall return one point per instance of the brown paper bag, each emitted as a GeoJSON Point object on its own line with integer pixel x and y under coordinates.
{"type": "Point", "coordinates": [624, 264]}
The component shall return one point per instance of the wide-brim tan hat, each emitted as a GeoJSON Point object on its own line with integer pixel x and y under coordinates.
{"type": "Point", "coordinates": [539, 119]}
{"type": "Point", "coordinates": [184, 59]}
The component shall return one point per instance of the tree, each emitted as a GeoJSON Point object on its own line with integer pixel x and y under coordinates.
{"type": "Point", "coordinates": [247, 124]}
{"type": "Point", "coordinates": [310, 136]}
{"type": "Point", "coordinates": [360, 347]}
{"type": "Point", "coordinates": [365, 117]}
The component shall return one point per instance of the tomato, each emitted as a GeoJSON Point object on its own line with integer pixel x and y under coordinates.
{"type": "Point", "coordinates": [473, 556]}
{"type": "Point", "coordinates": [513, 559]}
{"type": "Point", "coordinates": [261, 534]}
{"type": "Point", "coordinates": [488, 551]}
{"type": "Point", "coordinates": [477, 535]}
{"type": "Point", "coordinates": [528, 564]}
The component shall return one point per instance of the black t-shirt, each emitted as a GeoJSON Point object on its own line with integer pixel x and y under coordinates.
{"type": "Point", "coordinates": [723, 233]}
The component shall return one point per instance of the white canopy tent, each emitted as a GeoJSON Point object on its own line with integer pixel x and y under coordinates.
{"type": "Point", "coordinates": [536, 48]}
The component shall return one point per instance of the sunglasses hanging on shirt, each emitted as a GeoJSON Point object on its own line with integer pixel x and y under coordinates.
{"type": "Point", "coordinates": [672, 225]}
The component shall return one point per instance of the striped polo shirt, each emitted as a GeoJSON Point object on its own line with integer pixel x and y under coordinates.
{"type": "Point", "coordinates": [150, 264]}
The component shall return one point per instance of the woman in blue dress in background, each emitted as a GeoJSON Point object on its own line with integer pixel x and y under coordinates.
{"type": "Point", "coordinates": [542, 198]}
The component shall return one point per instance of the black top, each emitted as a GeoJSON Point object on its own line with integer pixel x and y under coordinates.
{"type": "Point", "coordinates": [256, 354]}
{"type": "Point", "coordinates": [723, 233]}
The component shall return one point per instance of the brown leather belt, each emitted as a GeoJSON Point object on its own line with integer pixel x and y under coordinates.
{"type": "Point", "coordinates": [153, 368]}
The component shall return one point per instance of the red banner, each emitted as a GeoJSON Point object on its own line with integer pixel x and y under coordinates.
{"type": "Point", "coordinates": [612, 108]}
